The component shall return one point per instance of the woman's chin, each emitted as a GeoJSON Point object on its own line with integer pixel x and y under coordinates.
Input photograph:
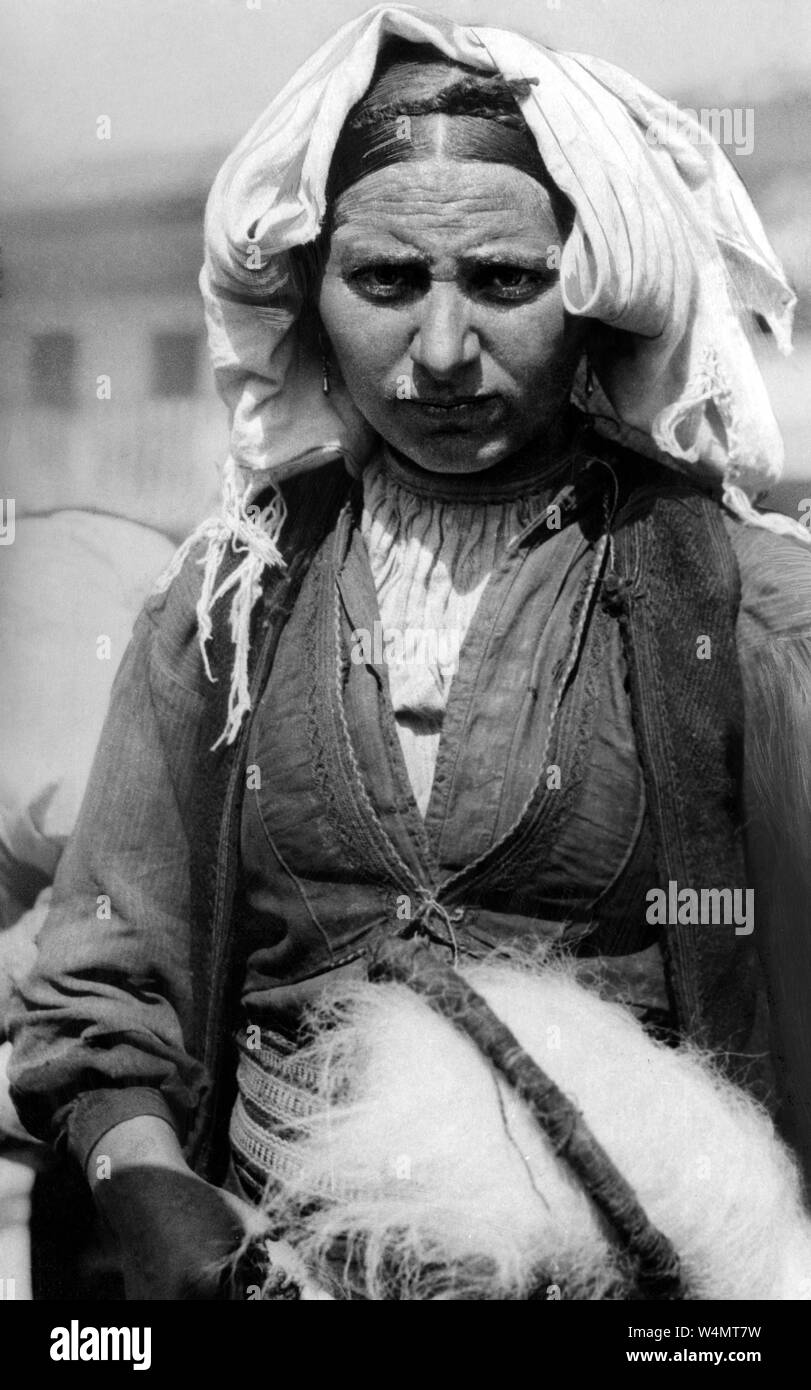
{"type": "Point", "coordinates": [457, 454]}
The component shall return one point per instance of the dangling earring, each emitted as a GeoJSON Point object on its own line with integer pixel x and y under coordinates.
{"type": "Point", "coordinates": [322, 342]}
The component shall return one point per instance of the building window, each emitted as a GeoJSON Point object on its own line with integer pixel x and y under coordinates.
{"type": "Point", "coordinates": [53, 369]}
{"type": "Point", "coordinates": [174, 363]}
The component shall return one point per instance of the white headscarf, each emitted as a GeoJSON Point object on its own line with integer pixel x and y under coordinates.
{"type": "Point", "coordinates": [665, 245]}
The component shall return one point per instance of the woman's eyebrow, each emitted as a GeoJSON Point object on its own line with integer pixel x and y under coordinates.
{"type": "Point", "coordinates": [536, 259]}
{"type": "Point", "coordinates": [507, 255]}
{"type": "Point", "coordinates": [388, 250]}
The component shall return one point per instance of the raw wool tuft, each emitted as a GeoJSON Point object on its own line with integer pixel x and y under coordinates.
{"type": "Point", "coordinates": [254, 533]}
{"type": "Point", "coordinates": [423, 1177]}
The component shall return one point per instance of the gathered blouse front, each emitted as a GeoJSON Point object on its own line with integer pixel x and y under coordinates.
{"type": "Point", "coordinates": [446, 730]}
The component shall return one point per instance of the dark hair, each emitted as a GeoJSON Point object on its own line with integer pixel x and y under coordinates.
{"type": "Point", "coordinates": [417, 82]}
{"type": "Point", "coordinates": [412, 78]}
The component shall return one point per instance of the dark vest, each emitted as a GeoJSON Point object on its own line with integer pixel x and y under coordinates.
{"type": "Point", "coordinates": [674, 583]}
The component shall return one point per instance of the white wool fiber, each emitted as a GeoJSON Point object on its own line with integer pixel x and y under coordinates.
{"type": "Point", "coordinates": [423, 1176]}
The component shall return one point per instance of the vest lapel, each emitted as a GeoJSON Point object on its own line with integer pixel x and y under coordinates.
{"type": "Point", "coordinates": [677, 592]}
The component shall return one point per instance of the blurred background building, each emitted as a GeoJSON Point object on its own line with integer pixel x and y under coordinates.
{"type": "Point", "coordinates": [106, 395]}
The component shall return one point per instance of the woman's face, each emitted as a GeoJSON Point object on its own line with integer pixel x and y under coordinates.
{"type": "Point", "coordinates": [442, 305]}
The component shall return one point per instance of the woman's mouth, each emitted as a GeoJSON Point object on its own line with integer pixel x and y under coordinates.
{"type": "Point", "coordinates": [459, 411]}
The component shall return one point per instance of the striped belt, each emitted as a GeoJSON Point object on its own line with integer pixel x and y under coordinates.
{"type": "Point", "coordinates": [275, 1094]}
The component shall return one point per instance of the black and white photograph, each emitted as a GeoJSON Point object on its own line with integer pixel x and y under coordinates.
{"type": "Point", "coordinates": [405, 664]}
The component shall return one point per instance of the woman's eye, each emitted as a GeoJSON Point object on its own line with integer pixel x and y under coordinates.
{"type": "Point", "coordinates": [383, 281]}
{"type": "Point", "coordinates": [394, 282]}
{"type": "Point", "coordinates": [506, 282]}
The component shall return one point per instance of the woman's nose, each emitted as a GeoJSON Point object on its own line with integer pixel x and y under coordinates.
{"type": "Point", "coordinates": [444, 340]}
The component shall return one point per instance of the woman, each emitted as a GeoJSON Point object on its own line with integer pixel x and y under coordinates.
{"type": "Point", "coordinates": [435, 240]}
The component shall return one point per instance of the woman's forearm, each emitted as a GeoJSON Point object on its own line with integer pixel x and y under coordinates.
{"type": "Point", "coordinates": [119, 916]}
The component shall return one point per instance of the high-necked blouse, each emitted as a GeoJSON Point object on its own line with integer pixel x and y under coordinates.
{"type": "Point", "coordinates": [433, 543]}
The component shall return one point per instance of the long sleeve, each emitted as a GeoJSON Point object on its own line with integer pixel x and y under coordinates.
{"type": "Point", "coordinates": [100, 1023]}
{"type": "Point", "coordinates": [775, 650]}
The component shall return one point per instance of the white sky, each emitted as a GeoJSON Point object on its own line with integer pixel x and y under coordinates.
{"type": "Point", "coordinates": [184, 74]}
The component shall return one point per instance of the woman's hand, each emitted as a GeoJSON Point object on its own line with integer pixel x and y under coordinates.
{"type": "Point", "coordinates": [175, 1231]}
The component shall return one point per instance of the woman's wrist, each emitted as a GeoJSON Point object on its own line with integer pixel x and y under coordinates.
{"type": "Point", "coordinates": [141, 1141]}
